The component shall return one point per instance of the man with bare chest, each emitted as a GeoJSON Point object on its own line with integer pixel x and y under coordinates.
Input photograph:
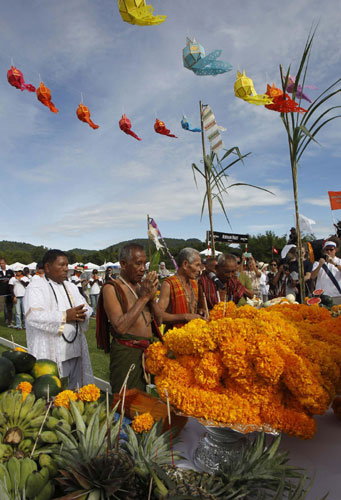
{"type": "Point", "coordinates": [180, 300]}
{"type": "Point", "coordinates": [130, 306]}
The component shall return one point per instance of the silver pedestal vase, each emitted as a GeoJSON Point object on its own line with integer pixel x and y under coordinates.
{"type": "Point", "coordinates": [218, 446]}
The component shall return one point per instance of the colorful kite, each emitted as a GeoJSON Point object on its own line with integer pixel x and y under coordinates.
{"type": "Point", "coordinates": [160, 128]}
{"type": "Point", "coordinates": [16, 79]}
{"type": "Point", "coordinates": [194, 59]}
{"type": "Point", "coordinates": [44, 96]}
{"type": "Point", "coordinates": [83, 114]}
{"type": "Point", "coordinates": [125, 126]}
{"type": "Point", "coordinates": [212, 129]}
{"type": "Point", "coordinates": [299, 90]}
{"type": "Point", "coordinates": [186, 125]}
{"type": "Point", "coordinates": [280, 103]}
{"type": "Point", "coordinates": [244, 89]}
{"type": "Point", "coordinates": [137, 12]}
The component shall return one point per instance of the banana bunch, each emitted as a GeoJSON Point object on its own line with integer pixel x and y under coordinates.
{"type": "Point", "coordinates": [21, 479]}
{"type": "Point", "coordinates": [20, 422]}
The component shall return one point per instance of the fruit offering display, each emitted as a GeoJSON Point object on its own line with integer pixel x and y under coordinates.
{"type": "Point", "coordinates": [248, 368]}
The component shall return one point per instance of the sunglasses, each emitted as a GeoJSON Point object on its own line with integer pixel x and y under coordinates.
{"type": "Point", "coordinates": [273, 264]}
{"type": "Point", "coordinates": [329, 249]}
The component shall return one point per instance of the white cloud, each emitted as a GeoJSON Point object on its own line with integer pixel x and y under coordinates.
{"type": "Point", "coordinates": [319, 202]}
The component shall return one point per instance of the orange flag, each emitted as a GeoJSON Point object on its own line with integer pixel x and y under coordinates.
{"type": "Point", "coordinates": [335, 200]}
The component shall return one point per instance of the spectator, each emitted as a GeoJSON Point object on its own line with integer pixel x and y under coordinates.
{"type": "Point", "coordinates": [307, 268]}
{"type": "Point", "coordinates": [327, 272]}
{"type": "Point", "coordinates": [17, 284]}
{"type": "Point", "coordinates": [243, 278]}
{"type": "Point", "coordinates": [80, 282]}
{"type": "Point", "coordinates": [264, 287]}
{"type": "Point", "coordinates": [95, 283]}
{"type": "Point", "coordinates": [163, 271]}
{"type": "Point", "coordinates": [5, 292]}
{"type": "Point", "coordinates": [273, 286]}
{"type": "Point", "coordinates": [255, 276]}
{"type": "Point", "coordinates": [27, 274]}
{"type": "Point", "coordinates": [109, 276]}
{"type": "Point", "coordinates": [39, 271]}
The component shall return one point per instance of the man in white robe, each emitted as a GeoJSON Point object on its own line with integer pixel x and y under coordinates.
{"type": "Point", "coordinates": [56, 316]}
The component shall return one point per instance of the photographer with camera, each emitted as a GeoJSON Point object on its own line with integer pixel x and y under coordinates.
{"type": "Point", "coordinates": [327, 272]}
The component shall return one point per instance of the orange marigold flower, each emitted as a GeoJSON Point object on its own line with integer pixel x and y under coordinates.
{"type": "Point", "coordinates": [143, 422]}
{"type": "Point", "coordinates": [64, 397]}
{"type": "Point", "coordinates": [24, 387]}
{"type": "Point", "coordinates": [89, 392]}
{"type": "Point", "coordinates": [20, 349]}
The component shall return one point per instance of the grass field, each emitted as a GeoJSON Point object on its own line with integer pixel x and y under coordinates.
{"type": "Point", "coordinates": [99, 360]}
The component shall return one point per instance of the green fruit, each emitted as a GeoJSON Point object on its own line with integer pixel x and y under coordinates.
{"type": "Point", "coordinates": [47, 385]}
{"type": "Point", "coordinates": [7, 373]}
{"type": "Point", "coordinates": [44, 367]}
{"type": "Point", "coordinates": [49, 437]}
{"type": "Point", "coordinates": [23, 361]}
{"type": "Point", "coordinates": [47, 461]}
{"type": "Point", "coordinates": [21, 377]}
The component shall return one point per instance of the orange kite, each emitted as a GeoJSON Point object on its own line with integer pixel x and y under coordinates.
{"type": "Point", "coordinates": [83, 114]}
{"type": "Point", "coordinates": [280, 103]}
{"type": "Point", "coordinates": [44, 96]}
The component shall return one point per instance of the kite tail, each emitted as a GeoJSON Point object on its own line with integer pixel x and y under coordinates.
{"type": "Point", "coordinates": [130, 132]}
{"type": "Point", "coordinates": [28, 87]}
{"type": "Point", "coordinates": [52, 107]}
{"type": "Point", "coordinates": [171, 135]}
{"type": "Point", "coordinates": [91, 123]}
{"type": "Point", "coordinates": [195, 129]}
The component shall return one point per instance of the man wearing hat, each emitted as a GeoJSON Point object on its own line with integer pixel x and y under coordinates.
{"type": "Point", "coordinates": [79, 281]}
{"type": "Point", "coordinates": [328, 272]}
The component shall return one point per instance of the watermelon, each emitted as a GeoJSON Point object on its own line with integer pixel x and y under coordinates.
{"type": "Point", "coordinates": [44, 367]}
{"type": "Point", "coordinates": [313, 301]}
{"type": "Point", "coordinates": [21, 377]}
{"type": "Point", "coordinates": [318, 292]}
{"type": "Point", "coordinates": [7, 373]}
{"type": "Point", "coordinates": [23, 361]}
{"type": "Point", "coordinates": [47, 385]}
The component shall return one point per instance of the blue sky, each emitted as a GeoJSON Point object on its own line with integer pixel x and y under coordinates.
{"type": "Point", "coordinates": [65, 185]}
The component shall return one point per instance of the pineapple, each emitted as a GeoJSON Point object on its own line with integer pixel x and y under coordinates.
{"type": "Point", "coordinates": [89, 468]}
{"type": "Point", "coordinates": [148, 448]}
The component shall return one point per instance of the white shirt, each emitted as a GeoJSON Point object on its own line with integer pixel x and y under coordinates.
{"type": "Point", "coordinates": [46, 303]}
{"type": "Point", "coordinates": [76, 280]}
{"type": "Point", "coordinates": [19, 288]}
{"type": "Point", "coordinates": [96, 287]}
{"type": "Point", "coordinates": [323, 281]}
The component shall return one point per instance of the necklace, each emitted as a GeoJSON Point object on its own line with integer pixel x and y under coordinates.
{"type": "Point", "coordinates": [136, 297]}
{"type": "Point", "coordinates": [71, 305]}
{"type": "Point", "coordinates": [191, 300]}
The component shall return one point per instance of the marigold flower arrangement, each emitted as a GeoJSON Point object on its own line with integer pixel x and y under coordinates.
{"type": "Point", "coordinates": [64, 397]}
{"type": "Point", "coordinates": [143, 422]}
{"type": "Point", "coordinates": [89, 392]}
{"type": "Point", "coordinates": [260, 367]}
{"type": "Point", "coordinates": [25, 388]}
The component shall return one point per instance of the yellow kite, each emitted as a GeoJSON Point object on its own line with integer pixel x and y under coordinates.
{"type": "Point", "coordinates": [244, 89]}
{"type": "Point", "coordinates": [137, 12]}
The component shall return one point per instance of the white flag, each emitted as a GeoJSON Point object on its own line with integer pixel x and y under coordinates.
{"type": "Point", "coordinates": [306, 223]}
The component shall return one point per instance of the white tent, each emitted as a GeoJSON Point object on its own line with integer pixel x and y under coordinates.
{"type": "Point", "coordinates": [91, 266]}
{"type": "Point", "coordinates": [17, 266]}
{"type": "Point", "coordinates": [108, 264]}
{"type": "Point", "coordinates": [208, 252]}
{"type": "Point", "coordinates": [32, 266]}
{"type": "Point", "coordinates": [117, 264]}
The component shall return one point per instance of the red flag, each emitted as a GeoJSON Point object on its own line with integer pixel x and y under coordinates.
{"type": "Point", "coordinates": [335, 200]}
{"type": "Point", "coordinates": [274, 250]}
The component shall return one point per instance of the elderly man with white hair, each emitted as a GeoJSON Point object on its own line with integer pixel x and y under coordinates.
{"type": "Point", "coordinates": [180, 300]}
{"type": "Point", "coordinates": [328, 272]}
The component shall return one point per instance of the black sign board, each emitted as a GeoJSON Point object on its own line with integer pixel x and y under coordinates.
{"type": "Point", "coordinates": [228, 237]}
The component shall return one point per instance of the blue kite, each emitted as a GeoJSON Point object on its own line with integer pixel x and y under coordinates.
{"type": "Point", "coordinates": [186, 125]}
{"type": "Point", "coordinates": [194, 58]}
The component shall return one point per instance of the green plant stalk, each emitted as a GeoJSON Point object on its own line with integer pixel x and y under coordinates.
{"type": "Point", "coordinates": [208, 185]}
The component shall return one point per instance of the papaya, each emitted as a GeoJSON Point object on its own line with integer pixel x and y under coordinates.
{"type": "Point", "coordinates": [44, 367]}
{"type": "Point", "coordinates": [23, 361]}
{"type": "Point", "coordinates": [47, 385]}
{"type": "Point", "coordinates": [7, 373]}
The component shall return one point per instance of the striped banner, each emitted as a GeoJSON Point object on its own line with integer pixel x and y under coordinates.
{"type": "Point", "coordinates": [212, 130]}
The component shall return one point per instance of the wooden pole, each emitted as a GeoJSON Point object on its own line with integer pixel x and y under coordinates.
{"type": "Point", "coordinates": [208, 187]}
{"type": "Point", "coordinates": [149, 247]}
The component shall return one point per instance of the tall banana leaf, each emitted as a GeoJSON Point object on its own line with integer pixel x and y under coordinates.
{"type": "Point", "coordinates": [302, 129]}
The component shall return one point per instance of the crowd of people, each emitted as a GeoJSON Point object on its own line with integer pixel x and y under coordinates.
{"type": "Point", "coordinates": [131, 307]}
